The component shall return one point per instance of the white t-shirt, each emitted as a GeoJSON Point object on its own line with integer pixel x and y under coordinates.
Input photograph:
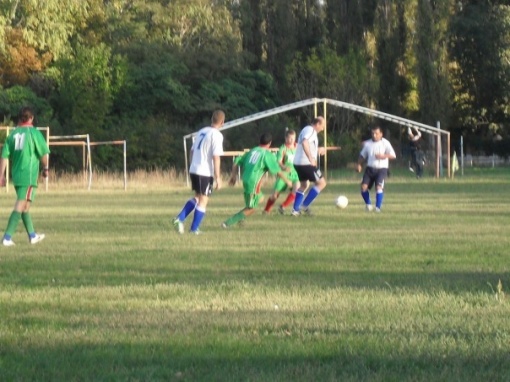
{"type": "Point", "coordinates": [371, 148]}
{"type": "Point", "coordinates": [310, 135]}
{"type": "Point", "coordinates": [208, 143]}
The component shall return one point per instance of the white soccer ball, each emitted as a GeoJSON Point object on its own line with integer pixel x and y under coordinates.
{"type": "Point", "coordinates": [342, 201]}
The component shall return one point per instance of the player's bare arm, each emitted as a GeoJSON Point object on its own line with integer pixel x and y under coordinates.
{"type": "Point", "coordinates": [217, 171]}
{"type": "Point", "coordinates": [3, 166]}
{"type": "Point", "coordinates": [361, 160]}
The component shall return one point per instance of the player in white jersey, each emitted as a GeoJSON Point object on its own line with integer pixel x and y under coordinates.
{"type": "Point", "coordinates": [377, 152]}
{"type": "Point", "coordinates": [204, 170]}
{"type": "Point", "coordinates": [305, 163]}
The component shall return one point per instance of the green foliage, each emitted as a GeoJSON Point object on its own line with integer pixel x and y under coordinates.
{"type": "Point", "coordinates": [480, 35]}
{"type": "Point", "coordinates": [324, 73]}
{"type": "Point", "coordinates": [16, 97]}
{"type": "Point", "coordinates": [47, 25]}
{"type": "Point", "coordinates": [88, 83]}
{"type": "Point", "coordinates": [154, 84]}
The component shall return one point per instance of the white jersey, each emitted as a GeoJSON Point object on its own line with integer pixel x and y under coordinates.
{"type": "Point", "coordinates": [208, 143]}
{"type": "Point", "coordinates": [371, 149]}
{"type": "Point", "coordinates": [310, 135]}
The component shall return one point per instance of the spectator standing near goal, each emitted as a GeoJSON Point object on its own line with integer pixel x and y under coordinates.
{"type": "Point", "coordinates": [26, 148]}
{"type": "Point", "coordinates": [414, 146]}
{"type": "Point", "coordinates": [254, 165]}
{"type": "Point", "coordinates": [376, 152]}
{"type": "Point", "coordinates": [204, 169]}
{"type": "Point", "coordinates": [285, 158]}
{"type": "Point", "coordinates": [305, 163]}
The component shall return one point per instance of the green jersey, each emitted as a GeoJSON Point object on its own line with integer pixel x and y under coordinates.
{"type": "Point", "coordinates": [285, 155]}
{"type": "Point", "coordinates": [24, 147]}
{"type": "Point", "coordinates": [255, 163]}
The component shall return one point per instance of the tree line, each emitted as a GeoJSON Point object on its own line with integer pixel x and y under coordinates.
{"type": "Point", "coordinates": [152, 71]}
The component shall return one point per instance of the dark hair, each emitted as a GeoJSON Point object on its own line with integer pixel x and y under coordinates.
{"type": "Point", "coordinates": [317, 120]}
{"type": "Point", "coordinates": [266, 138]}
{"type": "Point", "coordinates": [25, 114]}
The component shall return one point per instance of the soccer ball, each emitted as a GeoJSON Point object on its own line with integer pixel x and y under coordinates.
{"type": "Point", "coordinates": [342, 201]}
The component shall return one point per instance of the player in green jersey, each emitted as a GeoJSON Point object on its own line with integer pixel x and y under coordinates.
{"type": "Point", "coordinates": [26, 148]}
{"type": "Point", "coordinates": [254, 163]}
{"type": "Point", "coordinates": [285, 157]}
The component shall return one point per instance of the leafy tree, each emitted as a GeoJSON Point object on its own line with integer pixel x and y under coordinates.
{"type": "Point", "coordinates": [16, 97]}
{"type": "Point", "coordinates": [432, 62]}
{"type": "Point", "coordinates": [326, 74]}
{"type": "Point", "coordinates": [87, 85]}
{"type": "Point", "coordinates": [46, 25]}
{"type": "Point", "coordinates": [480, 37]}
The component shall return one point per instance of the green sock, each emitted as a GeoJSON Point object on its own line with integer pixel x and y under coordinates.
{"type": "Point", "coordinates": [13, 223]}
{"type": "Point", "coordinates": [27, 222]}
{"type": "Point", "coordinates": [235, 219]}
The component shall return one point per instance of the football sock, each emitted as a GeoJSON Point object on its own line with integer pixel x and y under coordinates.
{"type": "Point", "coordinates": [13, 223]}
{"type": "Point", "coordinates": [378, 199]}
{"type": "Point", "coordinates": [235, 218]}
{"type": "Point", "coordinates": [314, 192]}
{"type": "Point", "coordinates": [290, 198]}
{"type": "Point", "coordinates": [187, 209]}
{"type": "Point", "coordinates": [269, 204]}
{"type": "Point", "coordinates": [298, 200]}
{"type": "Point", "coordinates": [366, 196]}
{"type": "Point", "coordinates": [197, 218]}
{"type": "Point", "coordinates": [27, 222]}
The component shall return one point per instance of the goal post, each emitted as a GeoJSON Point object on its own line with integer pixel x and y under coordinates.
{"type": "Point", "coordinates": [433, 130]}
{"type": "Point", "coordinates": [124, 155]}
{"type": "Point", "coordinates": [87, 163]}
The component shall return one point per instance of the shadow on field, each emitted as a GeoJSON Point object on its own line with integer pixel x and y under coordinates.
{"type": "Point", "coordinates": [157, 362]}
{"type": "Point", "coordinates": [69, 275]}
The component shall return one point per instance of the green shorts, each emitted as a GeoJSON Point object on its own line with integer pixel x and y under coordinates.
{"type": "Point", "coordinates": [252, 200]}
{"type": "Point", "coordinates": [25, 193]}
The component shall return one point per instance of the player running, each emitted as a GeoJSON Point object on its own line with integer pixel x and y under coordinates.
{"type": "Point", "coordinates": [254, 164]}
{"type": "Point", "coordinates": [377, 152]}
{"type": "Point", "coordinates": [285, 157]}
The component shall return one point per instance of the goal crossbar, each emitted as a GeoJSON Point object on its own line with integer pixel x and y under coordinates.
{"type": "Point", "coordinates": [349, 106]}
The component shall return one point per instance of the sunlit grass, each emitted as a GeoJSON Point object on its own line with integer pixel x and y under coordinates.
{"type": "Point", "coordinates": [114, 293]}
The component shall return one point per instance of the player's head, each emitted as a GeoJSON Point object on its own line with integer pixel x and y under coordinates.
{"type": "Point", "coordinates": [266, 139]}
{"type": "Point", "coordinates": [377, 133]}
{"type": "Point", "coordinates": [290, 137]}
{"type": "Point", "coordinates": [26, 114]}
{"type": "Point", "coordinates": [218, 118]}
{"type": "Point", "coordinates": [319, 123]}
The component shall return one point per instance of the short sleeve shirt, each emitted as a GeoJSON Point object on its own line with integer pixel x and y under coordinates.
{"type": "Point", "coordinates": [286, 156]}
{"type": "Point", "coordinates": [208, 144]}
{"type": "Point", "coordinates": [255, 163]}
{"type": "Point", "coordinates": [24, 147]}
{"type": "Point", "coordinates": [371, 149]}
{"type": "Point", "coordinates": [308, 133]}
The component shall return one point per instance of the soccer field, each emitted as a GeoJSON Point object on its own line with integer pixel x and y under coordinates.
{"type": "Point", "coordinates": [416, 292]}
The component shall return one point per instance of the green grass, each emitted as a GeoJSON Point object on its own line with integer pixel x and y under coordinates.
{"type": "Point", "coordinates": [409, 294]}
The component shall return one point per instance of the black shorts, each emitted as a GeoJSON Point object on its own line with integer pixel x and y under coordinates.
{"type": "Point", "coordinates": [375, 176]}
{"type": "Point", "coordinates": [202, 185]}
{"type": "Point", "coordinates": [308, 172]}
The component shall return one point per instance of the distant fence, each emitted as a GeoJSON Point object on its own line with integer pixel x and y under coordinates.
{"type": "Point", "coordinates": [485, 161]}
